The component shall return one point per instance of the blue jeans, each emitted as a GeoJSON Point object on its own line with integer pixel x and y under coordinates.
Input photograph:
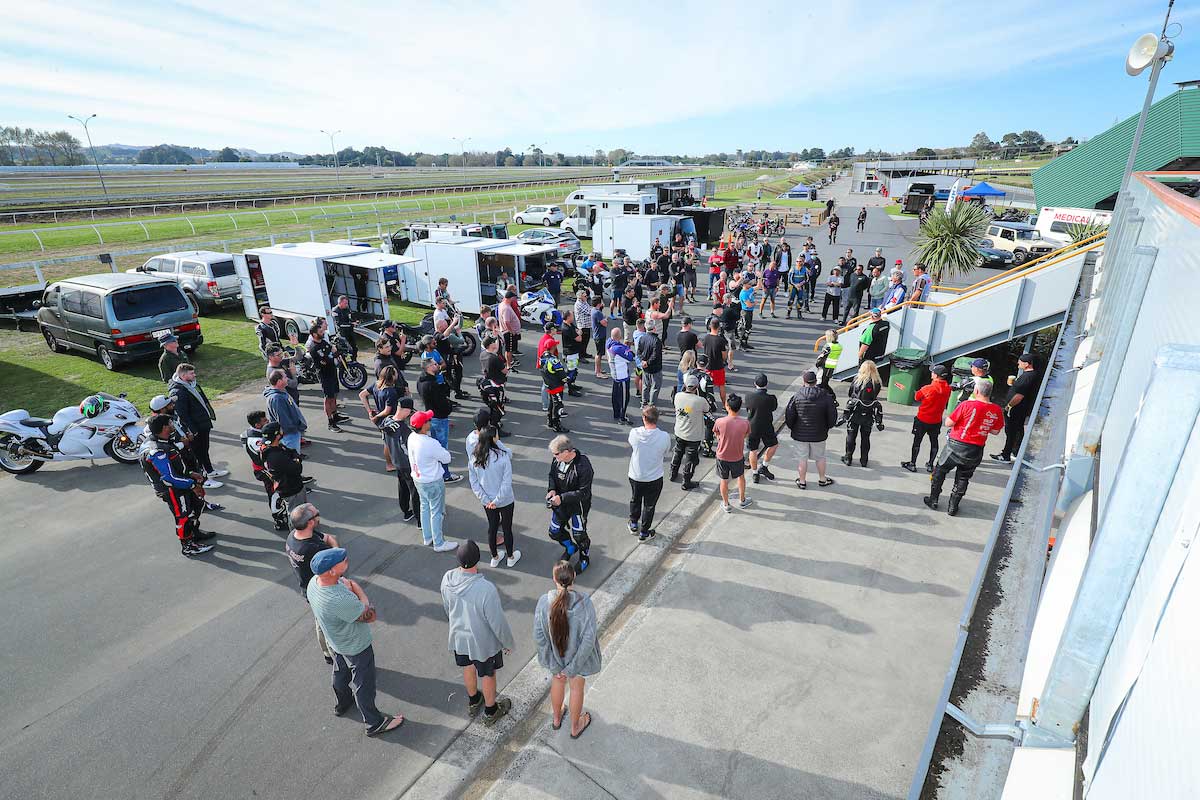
{"type": "Point", "coordinates": [679, 380]}
{"type": "Point", "coordinates": [433, 510]}
{"type": "Point", "coordinates": [440, 430]}
{"type": "Point", "coordinates": [712, 280]}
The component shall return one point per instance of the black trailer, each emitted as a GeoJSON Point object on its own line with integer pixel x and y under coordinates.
{"type": "Point", "coordinates": [710, 222]}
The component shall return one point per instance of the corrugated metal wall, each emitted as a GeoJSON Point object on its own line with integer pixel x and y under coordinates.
{"type": "Point", "coordinates": [1092, 171]}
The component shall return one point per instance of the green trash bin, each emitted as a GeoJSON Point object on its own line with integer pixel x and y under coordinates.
{"type": "Point", "coordinates": [908, 369]}
{"type": "Point", "coordinates": [960, 370]}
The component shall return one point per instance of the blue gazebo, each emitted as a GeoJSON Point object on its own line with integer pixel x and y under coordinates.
{"type": "Point", "coordinates": [983, 190]}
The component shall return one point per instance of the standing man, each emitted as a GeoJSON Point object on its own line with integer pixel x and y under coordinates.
{"type": "Point", "coordinates": [599, 327]}
{"type": "Point", "coordinates": [928, 421]}
{"type": "Point", "coordinates": [746, 298]}
{"type": "Point", "coordinates": [429, 459]}
{"type": "Point", "coordinates": [650, 351]}
{"type": "Point", "coordinates": [569, 497]}
{"type": "Point", "coordinates": [860, 284]}
{"type": "Point", "coordinates": [397, 431]}
{"type": "Point", "coordinates": [344, 614]}
{"type": "Point", "coordinates": [689, 431]}
{"type": "Point", "coordinates": [966, 387]}
{"type": "Point", "coordinates": [895, 292]}
{"type": "Point", "coordinates": [872, 342]}
{"type": "Point", "coordinates": [834, 223]}
{"type": "Point", "coordinates": [731, 431]}
{"type": "Point", "coordinates": [1019, 407]}
{"type": "Point", "coordinates": [921, 285]}
{"type": "Point", "coordinates": [479, 633]}
{"type": "Point", "coordinates": [862, 219]}
{"type": "Point", "coordinates": [879, 287]}
{"type": "Point", "coordinates": [649, 445]}
{"type": "Point", "coordinates": [304, 542]}
{"type": "Point", "coordinates": [343, 317]}
{"type": "Point", "coordinates": [809, 416]}
{"type": "Point", "coordinates": [554, 280]}
{"type": "Point", "coordinates": [797, 281]}
{"type": "Point", "coordinates": [510, 323]}
{"type": "Point", "coordinates": [574, 347]}
{"type": "Point", "coordinates": [285, 468]}
{"type": "Point", "coordinates": [876, 261]}
{"type": "Point", "coordinates": [276, 361]}
{"type": "Point", "coordinates": [281, 408]}
{"type": "Point", "coordinates": [620, 364]}
{"type": "Point", "coordinates": [163, 464]}
{"type": "Point", "coordinates": [324, 358]}
{"type": "Point", "coordinates": [196, 416]}
{"type": "Point", "coordinates": [716, 347]}
{"type": "Point", "coordinates": [435, 395]}
{"type": "Point", "coordinates": [171, 358]}
{"type": "Point", "coordinates": [760, 413]}
{"type": "Point", "coordinates": [971, 423]}
{"type": "Point", "coordinates": [267, 330]}
{"type": "Point", "coordinates": [686, 339]}
{"type": "Point", "coordinates": [770, 282]}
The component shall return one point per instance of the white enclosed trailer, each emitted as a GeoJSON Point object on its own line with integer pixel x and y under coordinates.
{"type": "Point", "coordinates": [303, 281]}
{"type": "Point", "coordinates": [472, 265]}
{"type": "Point", "coordinates": [635, 233]}
{"type": "Point", "coordinates": [586, 208]}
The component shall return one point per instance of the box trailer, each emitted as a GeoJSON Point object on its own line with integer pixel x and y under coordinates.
{"type": "Point", "coordinates": [302, 281]}
{"type": "Point", "coordinates": [635, 233]}
{"type": "Point", "coordinates": [668, 192]}
{"type": "Point", "coordinates": [472, 265]}
{"type": "Point", "coordinates": [399, 241]}
{"type": "Point", "coordinates": [586, 208]}
{"type": "Point", "coordinates": [709, 222]}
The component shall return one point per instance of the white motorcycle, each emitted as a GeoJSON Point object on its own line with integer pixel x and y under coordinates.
{"type": "Point", "coordinates": [537, 308]}
{"type": "Point", "coordinates": [100, 426]}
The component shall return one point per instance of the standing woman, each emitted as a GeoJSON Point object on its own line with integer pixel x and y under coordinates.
{"type": "Point", "coordinates": [862, 411]}
{"type": "Point", "coordinates": [687, 362]}
{"type": "Point", "coordinates": [384, 396]}
{"type": "Point", "coordinates": [490, 471]}
{"type": "Point", "coordinates": [833, 294]}
{"type": "Point", "coordinates": [564, 628]}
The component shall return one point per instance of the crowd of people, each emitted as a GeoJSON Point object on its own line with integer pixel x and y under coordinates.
{"type": "Point", "coordinates": [625, 312]}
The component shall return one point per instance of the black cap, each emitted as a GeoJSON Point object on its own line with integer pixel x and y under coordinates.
{"type": "Point", "coordinates": [760, 380]}
{"type": "Point", "coordinates": [406, 402]}
{"type": "Point", "coordinates": [810, 377]}
{"type": "Point", "coordinates": [483, 417]}
{"type": "Point", "coordinates": [271, 430]}
{"type": "Point", "coordinates": [467, 554]}
{"type": "Point", "coordinates": [939, 370]}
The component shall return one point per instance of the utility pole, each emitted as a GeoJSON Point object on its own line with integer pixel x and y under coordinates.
{"type": "Point", "coordinates": [336, 167]}
{"type": "Point", "coordinates": [462, 145]}
{"type": "Point", "coordinates": [96, 161]}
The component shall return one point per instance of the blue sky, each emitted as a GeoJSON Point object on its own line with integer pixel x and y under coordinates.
{"type": "Point", "coordinates": [713, 77]}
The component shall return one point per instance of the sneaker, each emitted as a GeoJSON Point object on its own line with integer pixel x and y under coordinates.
{"type": "Point", "coordinates": [475, 705]}
{"type": "Point", "coordinates": [728, 509]}
{"type": "Point", "coordinates": [340, 418]}
{"type": "Point", "coordinates": [689, 485]}
{"type": "Point", "coordinates": [908, 465]}
{"type": "Point", "coordinates": [847, 460]}
{"type": "Point", "coordinates": [193, 549]}
{"type": "Point", "coordinates": [755, 477]}
{"type": "Point", "coordinates": [211, 484]}
{"type": "Point", "coordinates": [647, 535]}
{"type": "Point", "coordinates": [765, 471]}
{"type": "Point", "coordinates": [409, 515]}
{"type": "Point", "coordinates": [633, 528]}
{"type": "Point", "coordinates": [445, 547]}
{"type": "Point", "coordinates": [1002, 457]}
{"type": "Point", "coordinates": [308, 480]}
{"type": "Point", "coordinates": [452, 478]}
{"type": "Point", "coordinates": [503, 706]}
{"type": "Point", "coordinates": [219, 473]}
{"type": "Point", "coordinates": [213, 506]}
{"type": "Point", "coordinates": [333, 428]}
{"type": "Point", "coordinates": [495, 562]}
{"type": "Point", "coordinates": [201, 536]}
{"type": "Point", "coordinates": [513, 559]}
{"type": "Point", "coordinates": [746, 502]}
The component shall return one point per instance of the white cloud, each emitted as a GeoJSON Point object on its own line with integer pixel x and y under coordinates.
{"type": "Point", "coordinates": [269, 75]}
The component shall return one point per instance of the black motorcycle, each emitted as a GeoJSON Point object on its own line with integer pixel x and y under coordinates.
{"type": "Point", "coordinates": [413, 334]}
{"type": "Point", "coordinates": [351, 374]}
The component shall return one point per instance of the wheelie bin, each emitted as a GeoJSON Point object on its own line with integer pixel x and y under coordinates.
{"type": "Point", "coordinates": [960, 370]}
{"type": "Point", "coordinates": [908, 369]}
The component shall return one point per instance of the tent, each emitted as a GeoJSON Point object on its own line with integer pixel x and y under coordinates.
{"type": "Point", "coordinates": [983, 190]}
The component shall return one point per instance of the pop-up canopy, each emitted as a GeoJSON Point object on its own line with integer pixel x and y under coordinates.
{"type": "Point", "coordinates": [983, 190]}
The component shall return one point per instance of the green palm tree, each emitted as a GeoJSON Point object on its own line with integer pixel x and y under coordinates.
{"type": "Point", "coordinates": [947, 242]}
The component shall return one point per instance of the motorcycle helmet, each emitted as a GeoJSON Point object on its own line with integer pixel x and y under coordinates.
{"type": "Point", "coordinates": [92, 407]}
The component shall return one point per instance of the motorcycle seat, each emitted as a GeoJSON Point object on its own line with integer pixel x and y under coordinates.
{"type": "Point", "coordinates": [36, 422]}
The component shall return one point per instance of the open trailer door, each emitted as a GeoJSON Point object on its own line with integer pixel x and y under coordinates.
{"type": "Point", "coordinates": [250, 291]}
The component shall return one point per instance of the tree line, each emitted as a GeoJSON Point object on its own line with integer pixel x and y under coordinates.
{"type": "Point", "coordinates": [33, 148]}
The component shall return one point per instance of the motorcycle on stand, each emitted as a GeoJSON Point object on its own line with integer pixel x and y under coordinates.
{"type": "Point", "coordinates": [413, 334]}
{"type": "Point", "coordinates": [351, 374]}
{"type": "Point", "coordinates": [102, 426]}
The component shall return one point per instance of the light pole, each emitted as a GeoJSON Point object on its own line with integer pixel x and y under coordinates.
{"type": "Point", "coordinates": [88, 134]}
{"type": "Point", "coordinates": [462, 145]}
{"type": "Point", "coordinates": [1148, 51]}
{"type": "Point", "coordinates": [543, 148]}
{"type": "Point", "coordinates": [336, 167]}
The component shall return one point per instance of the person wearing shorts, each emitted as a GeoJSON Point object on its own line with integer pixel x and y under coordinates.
{"type": "Point", "coordinates": [479, 633]}
{"type": "Point", "coordinates": [762, 442]}
{"type": "Point", "coordinates": [809, 416]}
{"type": "Point", "coordinates": [731, 431]}
{"type": "Point", "coordinates": [716, 347]}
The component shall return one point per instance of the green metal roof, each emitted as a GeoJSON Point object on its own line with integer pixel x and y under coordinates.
{"type": "Point", "coordinates": [1092, 171]}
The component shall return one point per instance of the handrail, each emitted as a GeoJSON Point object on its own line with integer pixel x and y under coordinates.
{"type": "Point", "coordinates": [1026, 265]}
{"type": "Point", "coordinates": [988, 286]}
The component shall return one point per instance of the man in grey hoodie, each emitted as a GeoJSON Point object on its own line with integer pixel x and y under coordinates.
{"type": "Point", "coordinates": [479, 634]}
{"type": "Point", "coordinates": [282, 408]}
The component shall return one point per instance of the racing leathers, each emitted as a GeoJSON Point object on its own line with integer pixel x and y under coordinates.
{"type": "Point", "coordinates": [164, 467]}
{"type": "Point", "coordinates": [572, 481]}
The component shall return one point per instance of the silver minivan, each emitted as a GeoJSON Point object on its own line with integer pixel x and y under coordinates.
{"type": "Point", "coordinates": [117, 316]}
{"type": "Point", "coordinates": [206, 276]}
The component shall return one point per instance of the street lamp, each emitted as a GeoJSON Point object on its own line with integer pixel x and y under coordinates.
{"type": "Point", "coordinates": [88, 134]}
{"type": "Point", "coordinates": [1148, 51]}
{"type": "Point", "coordinates": [336, 167]}
{"type": "Point", "coordinates": [462, 145]}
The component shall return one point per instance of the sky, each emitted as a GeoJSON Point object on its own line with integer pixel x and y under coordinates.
{"type": "Point", "coordinates": [695, 77]}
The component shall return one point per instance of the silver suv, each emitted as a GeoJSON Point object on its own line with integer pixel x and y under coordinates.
{"type": "Point", "coordinates": [206, 277]}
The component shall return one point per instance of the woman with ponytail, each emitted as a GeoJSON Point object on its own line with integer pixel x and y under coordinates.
{"type": "Point", "coordinates": [564, 628]}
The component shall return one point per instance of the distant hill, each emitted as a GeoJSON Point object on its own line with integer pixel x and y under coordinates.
{"type": "Point", "coordinates": [128, 154]}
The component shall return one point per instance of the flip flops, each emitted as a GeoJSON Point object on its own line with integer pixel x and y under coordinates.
{"type": "Point", "coordinates": [585, 725]}
{"type": "Point", "coordinates": [386, 725]}
{"type": "Point", "coordinates": [561, 716]}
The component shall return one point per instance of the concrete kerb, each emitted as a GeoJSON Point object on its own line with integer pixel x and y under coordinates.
{"type": "Point", "coordinates": [456, 767]}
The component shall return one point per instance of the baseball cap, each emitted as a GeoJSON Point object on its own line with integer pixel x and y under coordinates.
{"type": "Point", "coordinates": [326, 560]}
{"type": "Point", "coordinates": [810, 377]}
{"type": "Point", "coordinates": [980, 363]}
{"type": "Point", "coordinates": [421, 419]}
{"type": "Point", "coordinates": [159, 402]}
{"type": "Point", "coordinates": [467, 554]}
{"type": "Point", "coordinates": [167, 338]}
{"type": "Point", "coordinates": [939, 370]}
{"type": "Point", "coordinates": [405, 402]}
{"type": "Point", "coordinates": [876, 312]}
{"type": "Point", "coordinates": [690, 381]}
{"type": "Point", "coordinates": [271, 430]}
{"type": "Point", "coordinates": [899, 261]}
{"type": "Point", "coordinates": [760, 379]}
{"type": "Point", "coordinates": [482, 417]}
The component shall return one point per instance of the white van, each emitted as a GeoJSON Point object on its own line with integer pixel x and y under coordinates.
{"type": "Point", "coordinates": [1054, 223]}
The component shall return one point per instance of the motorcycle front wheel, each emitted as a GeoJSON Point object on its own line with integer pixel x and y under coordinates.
{"type": "Point", "coordinates": [471, 343]}
{"type": "Point", "coordinates": [354, 376]}
{"type": "Point", "coordinates": [17, 466]}
{"type": "Point", "coordinates": [122, 449]}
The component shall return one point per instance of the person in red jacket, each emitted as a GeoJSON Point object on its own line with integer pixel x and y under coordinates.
{"type": "Point", "coordinates": [928, 422]}
{"type": "Point", "coordinates": [971, 423]}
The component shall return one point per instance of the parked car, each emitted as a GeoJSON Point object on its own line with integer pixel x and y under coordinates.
{"type": "Point", "coordinates": [568, 243]}
{"type": "Point", "coordinates": [117, 316]}
{"type": "Point", "coordinates": [1018, 238]}
{"type": "Point", "coordinates": [546, 215]}
{"type": "Point", "coordinates": [991, 257]}
{"type": "Point", "coordinates": [206, 277]}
